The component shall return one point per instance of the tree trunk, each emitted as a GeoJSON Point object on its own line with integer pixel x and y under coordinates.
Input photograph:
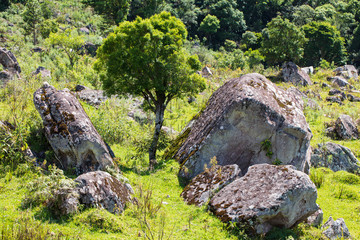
{"type": "Point", "coordinates": [159, 112]}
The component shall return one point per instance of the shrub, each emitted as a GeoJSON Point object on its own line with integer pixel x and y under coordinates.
{"type": "Point", "coordinates": [99, 220]}
{"type": "Point", "coordinates": [317, 176]}
{"type": "Point", "coordinates": [346, 178]}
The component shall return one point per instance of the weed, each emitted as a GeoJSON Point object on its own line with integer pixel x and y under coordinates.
{"type": "Point", "coordinates": [317, 177]}
{"type": "Point", "coordinates": [266, 146]}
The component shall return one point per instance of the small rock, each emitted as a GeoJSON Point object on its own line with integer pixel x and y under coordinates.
{"type": "Point", "coordinates": [38, 49]}
{"type": "Point", "coordinates": [334, 99]}
{"type": "Point", "coordinates": [45, 73]}
{"type": "Point", "coordinates": [334, 91]}
{"type": "Point", "coordinates": [206, 72]}
{"type": "Point", "coordinates": [339, 81]}
{"type": "Point", "coordinates": [79, 88]}
{"type": "Point", "coordinates": [325, 85]}
{"type": "Point", "coordinates": [308, 70]}
{"type": "Point", "coordinates": [352, 98]}
{"type": "Point", "coordinates": [84, 30]}
{"type": "Point", "coordinates": [335, 229]}
{"type": "Point", "coordinates": [336, 157]}
{"type": "Point", "coordinates": [347, 71]}
{"type": "Point", "coordinates": [346, 128]}
{"type": "Point", "coordinates": [100, 189]}
{"type": "Point", "coordinates": [292, 73]}
{"type": "Point", "coordinates": [315, 219]}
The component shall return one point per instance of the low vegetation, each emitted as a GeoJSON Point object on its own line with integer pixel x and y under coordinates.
{"type": "Point", "coordinates": [28, 187]}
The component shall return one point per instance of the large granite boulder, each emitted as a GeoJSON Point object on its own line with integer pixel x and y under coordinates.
{"type": "Point", "coordinates": [336, 229]}
{"type": "Point", "coordinates": [70, 132]}
{"type": "Point", "coordinates": [292, 73]}
{"type": "Point", "coordinates": [336, 157]}
{"type": "Point", "coordinates": [8, 61]}
{"type": "Point", "coordinates": [347, 71]}
{"type": "Point", "coordinates": [345, 128]}
{"type": "Point", "coordinates": [206, 184]}
{"type": "Point", "coordinates": [267, 196]}
{"type": "Point", "coordinates": [101, 190]}
{"type": "Point", "coordinates": [247, 121]}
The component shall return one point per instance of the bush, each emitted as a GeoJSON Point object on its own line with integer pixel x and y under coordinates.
{"type": "Point", "coordinates": [347, 178]}
{"type": "Point", "coordinates": [49, 190]}
{"type": "Point", "coordinates": [317, 176]}
{"type": "Point", "coordinates": [99, 220]}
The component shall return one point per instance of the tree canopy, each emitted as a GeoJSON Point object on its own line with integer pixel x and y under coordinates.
{"type": "Point", "coordinates": [146, 58]}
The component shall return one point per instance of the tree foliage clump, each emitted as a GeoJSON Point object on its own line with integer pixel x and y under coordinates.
{"type": "Point", "coordinates": [325, 43]}
{"type": "Point", "coordinates": [282, 41]}
{"type": "Point", "coordinates": [146, 58]}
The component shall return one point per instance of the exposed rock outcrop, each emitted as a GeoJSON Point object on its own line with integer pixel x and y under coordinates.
{"type": "Point", "coordinates": [267, 196]}
{"type": "Point", "coordinates": [44, 73]}
{"type": "Point", "coordinates": [247, 121]}
{"type": "Point", "coordinates": [315, 219]}
{"type": "Point", "coordinates": [339, 81]}
{"type": "Point", "coordinates": [292, 73]}
{"type": "Point", "coordinates": [206, 72]}
{"type": "Point", "coordinates": [9, 62]}
{"type": "Point", "coordinates": [345, 128]}
{"type": "Point", "coordinates": [100, 189]}
{"type": "Point", "coordinates": [336, 229]}
{"type": "Point", "coordinates": [308, 70]}
{"type": "Point", "coordinates": [206, 184]}
{"type": "Point", "coordinates": [92, 97]}
{"type": "Point", "coordinates": [347, 71]}
{"type": "Point", "coordinates": [336, 157]}
{"type": "Point", "coordinates": [69, 131]}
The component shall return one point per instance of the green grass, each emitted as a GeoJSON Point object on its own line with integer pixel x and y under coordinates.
{"type": "Point", "coordinates": [339, 197]}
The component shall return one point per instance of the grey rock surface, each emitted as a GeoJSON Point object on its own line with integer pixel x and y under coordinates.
{"type": "Point", "coordinates": [267, 196]}
{"type": "Point", "coordinates": [339, 81]}
{"type": "Point", "coordinates": [316, 218]}
{"type": "Point", "coordinates": [247, 121]}
{"type": "Point", "coordinates": [206, 72]}
{"type": "Point", "coordinates": [69, 131]}
{"type": "Point", "coordinates": [204, 186]}
{"type": "Point", "coordinates": [347, 71]}
{"type": "Point", "coordinates": [101, 190]}
{"type": "Point", "coordinates": [345, 128]}
{"type": "Point", "coordinates": [336, 229]}
{"type": "Point", "coordinates": [292, 73]}
{"type": "Point", "coordinates": [92, 97]}
{"type": "Point", "coordinates": [336, 157]}
{"type": "Point", "coordinates": [44, 73]}
{"type": "Point", "coordinates": [308, 70]}
{"type": "Point", "coordinates": [9, 61]}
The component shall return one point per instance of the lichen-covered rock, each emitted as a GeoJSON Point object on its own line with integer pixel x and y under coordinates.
{"type": "Point", "coordinates": [267, 196]}
{"type": "Point", "coordinates": [308, 70]}
{"type": "Point", "coordinates": [352, 98]}
{"type": "Point", "coordinates": [347, 71]}
{"type": "Point", "coordinates": [101, 190]}
{"type": "Point", "coordinates": [44, 73]}
{"type": "Point", "coordinates": [336, 157]}
{"type": "Point", "coordinates": [70, 132]}
{"type": "Point", "coordinates": [5, 77]}
{"type": "Point", "coordinates": [92, 97]}
{"type": "Point", "coordinates": [206, 184]}
{"type": "Point", "coordinates": [334, 99]}
{"type": "Point", "coordinates": [336, 229]}
{"type": "Point", "coordinates": [339, 81]}
{"type": "Point", "coordinates": [315, 219]}
{"type": "Point", "coordinates": [346, 128]}
{"type": "Point", "coordinates": [8, 61]}
{"type": "Point", "coordinates": [292, 73]}
{"type": "Point", "coordinates": [247, 121]}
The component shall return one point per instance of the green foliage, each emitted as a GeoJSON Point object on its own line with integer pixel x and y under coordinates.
{"type": "Point", "coordinates": [324, 42]}
{"type": "Point", "coordinates": [27, 228]}
{"type": "Point", "coordinates": [251, 39]}
{"type": "Point", "coordinates": [303, 14]}
{"type": "Point", "coordinates": [209, 25]}
{"type": "Point", "coordinates": [355, 46]}
{"type": "Point", "coordinates": [114, 11]}
{"type": "Point", "coordinates": [99, 220]}
{"type": "Point", "coordinates": [346, 178]}
{"type": "Point", "coordinates": [266, 146]}
{"type": "Point", "coordinates": [45, 190]}
{"type": "Point", "coordinates": [32, 16]}
{"type": "Point", "coordinates": [48, 26]}
{"type": "Point", "coordinates": [68, 41]}
{"type": "Point", "coordinates": [317, 176]}
{"type": "Point", "coordinates": [254, 58]}
{"type": "Point", "coordinates": [282, 41]}
{"type": "Point", "coordinates": [146, 58]}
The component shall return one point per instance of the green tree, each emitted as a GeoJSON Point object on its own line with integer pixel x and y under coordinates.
{"type": "Point", "coordinates": [282, 41]}
{"type": "Point", "coordinates": [324, 43]}
{"type": "Point", "coordinates": [69, 42]}
{"type": "Point", "coordinates": [113, 10]}
{"type": "Point", "coordinates": [146, 58]}
{"type": "Point", "coordinates": [355, 46]}
{"type": "Point", "coordinates": [32, 17]}
{"type": "Point", "coordinates": [209, 26]}
{"type": "Point", "coordinates": [303, 14]}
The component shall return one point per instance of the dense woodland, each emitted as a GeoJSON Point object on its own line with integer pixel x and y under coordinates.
{"type": "Point", "coordinates": [81, 42]}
